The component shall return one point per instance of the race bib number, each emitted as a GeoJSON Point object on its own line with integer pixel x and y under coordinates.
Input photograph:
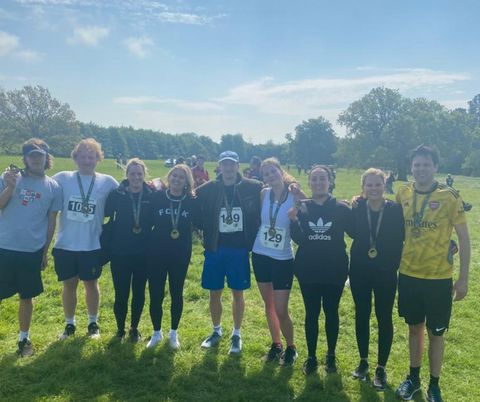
{"type": "Point", "coordinates": [276, 242]}
{"type": "Point", "coordinates": [237, 220]}
{"type": "Point", "coordinates": [75, 206]}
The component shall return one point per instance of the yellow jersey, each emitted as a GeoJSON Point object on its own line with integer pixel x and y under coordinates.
{"type": "Point", "coordinates": [426, 248]}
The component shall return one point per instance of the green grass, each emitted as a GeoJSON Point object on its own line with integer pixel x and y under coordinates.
{"type": "Point", "coordinates": [105, 370]}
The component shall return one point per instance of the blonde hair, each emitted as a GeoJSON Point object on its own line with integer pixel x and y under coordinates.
{"type": "Point", "coordinates": [188, 175]}
{"type": "Point", "coordinates": [90, 145]}
{"type": "Point", "coordinates": [287, 178]}
{"type": "Point", "coordinates": [136, 162]}
{"type": "Point", "coordinates": [372, 172]}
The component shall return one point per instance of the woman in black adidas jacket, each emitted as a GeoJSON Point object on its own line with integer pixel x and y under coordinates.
{"type": "Point", "coordinates": [321, 262]}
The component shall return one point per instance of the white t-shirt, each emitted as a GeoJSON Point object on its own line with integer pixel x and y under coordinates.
{"type": "Point", "coordinates": [79, 231]}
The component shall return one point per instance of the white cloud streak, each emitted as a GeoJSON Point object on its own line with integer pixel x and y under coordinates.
{"type": "Point", "coordinates": [29, 56]}
{"type": "Point", "coordinates": [307, 96]}
{"type": "Point", "coordinates": [8, 43]}
{"type": "Point", "coordinates": [138, 46]}
{"type": "Point", "coordinates": [89, 35]}
{"type": "Point", "coordinates": [180, 103]}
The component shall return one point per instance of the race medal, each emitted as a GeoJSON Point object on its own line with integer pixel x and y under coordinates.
{"type": "Point", "coordinates": [137, 229]}
{"type": "Point", "coordinates": [272, 232]}
{"type": "Point", "coordinates": [175, 234]}
{"type": "Point", "coordinates": [85, 198]}
{"type": "Point", "coordinates": [229, 220]}
{"type": "Point", "coordinates": [372, 253]}
{"type": "Point", "coordinates": [85, 210]}
{"type": "Point", "coordinates": [416, 233]}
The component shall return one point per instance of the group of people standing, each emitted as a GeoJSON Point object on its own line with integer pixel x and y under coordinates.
{"type": "Point", "coordinates": [150, 240]}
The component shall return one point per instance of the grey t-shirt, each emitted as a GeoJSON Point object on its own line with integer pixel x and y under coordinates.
{"type": "Point", "coordinates": [23, 221]}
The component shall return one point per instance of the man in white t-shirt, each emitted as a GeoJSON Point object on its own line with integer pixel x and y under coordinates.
{"type": "Point", "coordinates": [77, 245]}
{"type": "Point", "coordinates": [29, 203]}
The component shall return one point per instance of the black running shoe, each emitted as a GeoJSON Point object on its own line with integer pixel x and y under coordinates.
{"type": "Point", "coordinates": [330, 364]}
{"type": "Point", "coordinates": [310, 366]}
{"type": "Point", "coordinates": [274, 353]}
{"type": "Point", "coordinates": [120, 333]}
{"type": "Point", "coordinates": [407, 389]}
{"type": "Point", "coordinates": [134, 335]}
{"type": "Point", "coordinates": [434, 394]}
{"type": "Point", "coordinates": [361, 372]}
{"type": "Point", "coordinates": [25, 348]}
{"type": "Point", "coordinates": [289, 357]}
{"type": "Point", "coordinates": [69, 331]}
{"type": "Point", "coordinates": [380, 379]}
{"type": "Point", "coordinates": [93, 330]}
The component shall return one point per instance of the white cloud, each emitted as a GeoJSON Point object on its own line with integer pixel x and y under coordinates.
{"type": "Point", "coordinates": [180, 103]}
{"type": "Point", "coordinates": [455, 104]}
{"type": "Point", "coordinates": [89, 35]}
{"type": "Point", "coordinates": [308, 96]}
{"type": "Point", "coordinates": [8, 43]}
{"type": "Point", "coordinates": [5, 15]}
{"type": "Point", "coordinates": [29, 56]}
{"type": "Point", "coordinates": [190, 19]}
{"type": "Point", "coordinates": [138, 46]}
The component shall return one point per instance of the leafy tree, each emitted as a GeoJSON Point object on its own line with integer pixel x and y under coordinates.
{"type": "Point", "coordinates": [474, 108]}
{"type": "Point", "coordinates": [315, 142]}
{"type": "Point", "coordinates": [33, 112]}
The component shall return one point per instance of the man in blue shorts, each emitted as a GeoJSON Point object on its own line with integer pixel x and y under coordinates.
{"type": "Point", "coordinates": [29, 203]}
{"type": "Point", "coordinates": [231, 218]}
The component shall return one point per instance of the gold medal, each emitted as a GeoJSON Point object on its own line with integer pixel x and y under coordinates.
{"type": "Point", "coordinates": [372, 253]}
{"type": "Point", "coordinates": [229, 220]}
{"type": "Point", "coordinates": [175, 234]}
{"type": "Point", "coordinates": [137, 229]}
{"type": "Point", "coordinates": [85, 210]}
{"type": "Point", "coordinates": [416, 233]}
{"type": "Point", "coordinates": [272, 232]}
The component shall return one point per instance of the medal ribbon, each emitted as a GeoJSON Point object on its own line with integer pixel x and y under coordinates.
{"type": "Point", "coordinates": [228, 206]}
{"type": "Point", "coordinates": [177, 217]}
{"type": "Point", "coordinates": [373, 241]}
{"type": "Point", "coordinates": [82, 193]}
{"type": "Point", "coordinates": [283, 198]}
{"type": "Point", "coordinates": [417, 217]}
{"type": "Point", "coordinates": [136, 208]}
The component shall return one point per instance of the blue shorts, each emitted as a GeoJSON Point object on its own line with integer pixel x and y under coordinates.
{"type": "Point", "coordinates": [232, 263]}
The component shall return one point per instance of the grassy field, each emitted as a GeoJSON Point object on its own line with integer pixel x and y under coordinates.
{"type": "Point", "coordinates": [106, 370]}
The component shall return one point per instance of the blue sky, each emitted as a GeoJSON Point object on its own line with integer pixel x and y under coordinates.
{"type": "Point", "coordinates": [258, 67]}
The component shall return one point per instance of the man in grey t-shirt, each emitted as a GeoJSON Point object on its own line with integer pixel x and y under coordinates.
{"type": "Point", "coordinates": [29, 203]}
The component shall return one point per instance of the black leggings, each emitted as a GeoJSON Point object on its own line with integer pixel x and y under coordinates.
{"type": "Point", "coordinates": [384, 286]}
{"type": "Point", "coordinates": [157, 277]}
{"type": "Point", "coordinates": [129, 270]}
{"type": "Point", "coordinates": [314, 294]}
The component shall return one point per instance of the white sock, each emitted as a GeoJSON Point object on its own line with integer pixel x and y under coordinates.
{"type": "Point", "coordinates": [172, 333]}
{"type": "Point", "coordinates": [23, 335]}
{"type": "Point", "coordinates": [218, 329]}
{"type": "Point", "coordinates": [70, 320]}
{"type": "Point", "coordinates": [236, 332]}
{"type": "Point", "coordinates": [92, 318]}
{"type": "Point", "coordinates": [157, 334]}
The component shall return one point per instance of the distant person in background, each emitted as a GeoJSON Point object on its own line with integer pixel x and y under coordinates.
{"type": "Point", "coordinates": [247, 172]}
{"type": "Point", "coordinates": [288, 167]}
{"type": "Point", "coordinates": [124, 161]}
{"type": "Point", "coordinates": [188, 162]}
{"type": "Point", "coordinates": [194, 160]}
{"type": "Point", "coordinates": [119, 161]}
{"type": "Point", "coordinates": [299, 169]}
{"type": "Point", "coordinates": [389, 183]}
{"type": "Point", "coordinates": [255, 165]}
{"type": "Point", "coordinates": [217, 170]}
{"type": "Point", "coordinates": [449, 180]}
{"type": "Point", "coordinates": [130, 206]}
{"type": "Point", "coordinates": [29, 203]}
{"type": "Point", "coordinates": [200, 174]}
{"type": "Point", "coordinates": [77, 245]}
{"type": "Point", "coordinates": [180, 161]}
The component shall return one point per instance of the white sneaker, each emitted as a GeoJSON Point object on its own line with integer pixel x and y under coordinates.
{"type": "Point", "coordinates": [174, 343]}
{"type": "Point", "coordinates": [153, 342]}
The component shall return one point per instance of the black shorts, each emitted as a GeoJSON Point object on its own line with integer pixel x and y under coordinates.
{"type": "Point", "coordinates": [20, 272]}
{"type": "Point", "coordinates": [429, 300]}
{"type": "Point", "coordinates": [84, 264]}
{"type": "Point", "coordinates": [278, 272]}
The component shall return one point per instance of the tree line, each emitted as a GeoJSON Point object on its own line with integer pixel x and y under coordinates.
{"type": "Point", "coordinates": [382, 127]}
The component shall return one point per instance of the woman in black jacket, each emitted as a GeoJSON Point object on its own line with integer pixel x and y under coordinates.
{"type": "Point", "coordinates": [375, 258]}
{"type": "Point", "coordinates": [170, 248]}
{"type": "Point", "coordinates": [130, 207]}
{"type": "Point", "coordinates": [321, 262]}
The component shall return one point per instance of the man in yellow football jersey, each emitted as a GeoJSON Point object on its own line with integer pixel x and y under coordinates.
{"type": "Point", "coordinates": [425, 285]}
